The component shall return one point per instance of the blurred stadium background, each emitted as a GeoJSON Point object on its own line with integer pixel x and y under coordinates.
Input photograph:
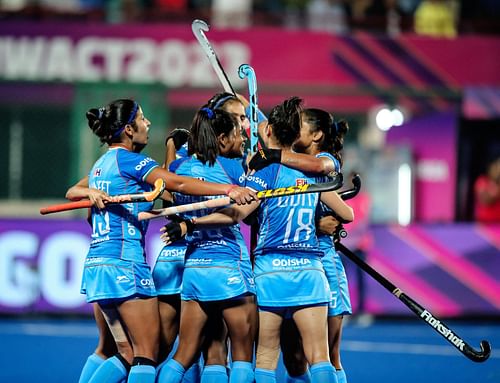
{"type": "Point", "coordinates": [422, 102]}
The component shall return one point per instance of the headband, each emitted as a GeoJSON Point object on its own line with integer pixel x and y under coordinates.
{"type": "Point", "coordinates": [129, 121]}
{"type": "Point", "coordinates": [219, 103]}
{"type": "Point", "coordinates": [210, 113]}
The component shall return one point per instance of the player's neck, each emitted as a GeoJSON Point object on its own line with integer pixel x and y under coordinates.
{"type": "Point", "coordinates": [120, 145]}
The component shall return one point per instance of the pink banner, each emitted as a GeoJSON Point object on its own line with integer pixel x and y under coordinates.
{"type": "Point", "coordinates": [326, 70]}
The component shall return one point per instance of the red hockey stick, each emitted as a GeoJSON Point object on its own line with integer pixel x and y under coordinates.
{"type": "Point", "coordinates": [123, 198]}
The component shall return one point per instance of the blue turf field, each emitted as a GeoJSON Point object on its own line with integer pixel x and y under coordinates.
{"type": "Point", "coordinates": [387, 351]}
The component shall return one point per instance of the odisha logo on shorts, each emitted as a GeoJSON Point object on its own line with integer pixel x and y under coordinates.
{"type": "Point", "coordinates": [291, 262]}
{"type": "Point", "coordinates": [147, 282]}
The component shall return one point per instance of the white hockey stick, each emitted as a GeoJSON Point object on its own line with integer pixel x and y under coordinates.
{"type": "Point", "coordinates": [199, 27]}
{"type": "Point", "coordinates": [335, 184]}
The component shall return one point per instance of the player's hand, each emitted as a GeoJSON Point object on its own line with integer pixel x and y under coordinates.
{"type": "Point", "coordinates": [241, 195]}
{"type": "Point", "coordinates": [263, 158]}
{"type": "Point", "coordinates": [176, 230]}
{"type": "Point", "coordinates": [179, 136]}
{"type": "Point", "coordinates": [99, 198]}
{"type": "Point", "coordinates": [327, 225]}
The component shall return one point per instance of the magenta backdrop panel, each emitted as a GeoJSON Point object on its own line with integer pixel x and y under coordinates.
{"type": "Point", "coordinates": [169, 54]}
{"type": "Point", "coordinates": [433, 141]}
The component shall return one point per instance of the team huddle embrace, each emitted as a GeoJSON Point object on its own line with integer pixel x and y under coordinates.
{"type": "Point", "coordinates": [233, 309]}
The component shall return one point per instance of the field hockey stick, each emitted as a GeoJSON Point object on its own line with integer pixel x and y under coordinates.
{"type": "Point", "coordinates": [422, 313]}
{"type": "Point", "coordinates": [199, 27]}
{"type": "Point", "coordinates": [159, 187]}
{"type": "Point", "coordinates": [345, 195]}
{"type": "Point", "coordinates": [247, 71]}
{"type": "Point", "coordinates": [335, 184]}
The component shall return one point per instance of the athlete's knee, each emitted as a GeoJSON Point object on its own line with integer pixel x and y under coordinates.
{"type": "Point", "coordinates": [216, 354]}
{"type": "Point", "coordinates": [267, 357]}
{"type": "Point", "coordinates": [317, 356]}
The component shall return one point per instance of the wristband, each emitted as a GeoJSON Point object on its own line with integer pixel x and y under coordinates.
{"type": "Point", "coordinates": [190, 225]}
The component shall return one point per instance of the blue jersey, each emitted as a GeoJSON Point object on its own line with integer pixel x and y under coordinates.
{"type": "Point", "coordinates": [325, 240]}
{"type": "Point", "coordinates": [182, 152]}
{"type": "Point", "coordinates": [116, 231]}
{"type": "Point", "coordinates": [227, 242]}
{"type": "Point", "coordinates": [286, 223]}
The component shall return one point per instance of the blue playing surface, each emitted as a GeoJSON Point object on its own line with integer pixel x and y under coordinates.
{"type": "Point", "coordinates": [385, 351]}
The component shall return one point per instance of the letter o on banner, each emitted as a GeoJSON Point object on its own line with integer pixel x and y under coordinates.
{"type": "Point", "coordinates": [61, 266]}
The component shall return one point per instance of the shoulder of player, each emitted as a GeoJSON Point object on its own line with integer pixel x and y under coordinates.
{"type": "Point", "coordinates": [174, 165]}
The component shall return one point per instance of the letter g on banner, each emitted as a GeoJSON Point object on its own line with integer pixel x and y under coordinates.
{"type": "Point", "coordinates": [18, 278]}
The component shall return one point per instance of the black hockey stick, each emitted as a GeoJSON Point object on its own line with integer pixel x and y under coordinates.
{"type": "Point", "coordinates": [199, 27]}
{"type": "Point", "coordinates": [335, 184]}
{"type": "Point", "coordinates": [422, 313]}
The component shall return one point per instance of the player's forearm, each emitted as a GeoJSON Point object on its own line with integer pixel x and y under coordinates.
{"type": "Point", "coordinates": [341, 209]}
{"type": "Point", "coordinates": [78, 191]}
{"type": "Point", "coordinates": [306, 163]}
{"type": "Point", "coordinates": [225, 217]}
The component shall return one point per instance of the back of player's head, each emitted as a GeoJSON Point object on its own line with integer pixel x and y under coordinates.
{"type": "Point", "coordinates": [334, 131]}
{"type": "Point", "coordinates": [109, 121]}
{"type": "Point", "coordinates": [222, 100]}
{"type": "Point", "coordinates": [285, 121]}
{"type": "Point", "coordinates": [208, 124]}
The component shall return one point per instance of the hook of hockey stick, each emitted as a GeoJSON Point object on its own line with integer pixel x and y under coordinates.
{"type": "Point", "coordinates": [421, 312]}
{"type": "Point", "coordinates": [199, 27]}
{"type": "Point", "coordinates": [159, 187]}
{"type": "Point", "coordinates": [478, 356]}
{"type": "Point", "coordinates": [351, 193]}
{"type": "Point", "coordinates": [247, 71]}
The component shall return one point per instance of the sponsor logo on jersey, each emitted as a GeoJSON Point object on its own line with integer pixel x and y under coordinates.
{"type": "Point", "coordinates": [233, 280]}
{"type": "Point", "coordinates": [291, 262]}
{"type": "Point", "coordinates": [198, 261]}
{"type": "Point", "coordinates": [173, 252]}
{"type": "Point", "coordinates": [122, 278]}
{"type": "Point", "coordinates": [294, 245]}
{"type": "Point", "coordinates": [258, 181]}
{"type": "Point", "coordinates": [143, 163]}
{"type": "Point", "coordinates": [92, 260]}
{"type": "Point", "coordinates": [300, 182]}
{"type": "Point", "coordinates": [97, 172]}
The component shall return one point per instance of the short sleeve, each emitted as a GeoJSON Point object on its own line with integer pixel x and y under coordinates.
{"type": "Point", "coordinates": [136, 166]}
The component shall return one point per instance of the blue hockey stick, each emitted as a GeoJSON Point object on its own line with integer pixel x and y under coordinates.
{"type": "Point", "coordinates": [247, 71]}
